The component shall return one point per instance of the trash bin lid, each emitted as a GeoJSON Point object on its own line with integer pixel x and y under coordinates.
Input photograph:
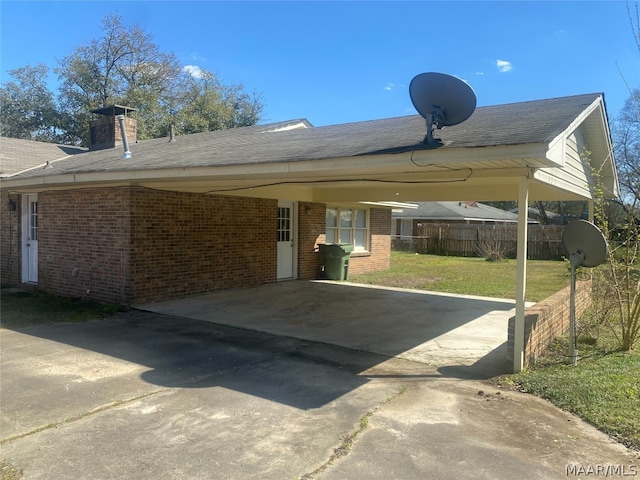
{"type": "Point", "coordinates": [346, 247]}
{"type": "Point", "coordinates": [337, 249]}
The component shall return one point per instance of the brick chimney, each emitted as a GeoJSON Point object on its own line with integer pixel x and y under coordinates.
{"type": "Point", "coordinates": [104, 132]}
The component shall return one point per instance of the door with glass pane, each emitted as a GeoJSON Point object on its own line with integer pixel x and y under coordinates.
{"type": "Point", "coordinates": [30, 239]}
{"type": "Point", "coordinates": [286, 244]}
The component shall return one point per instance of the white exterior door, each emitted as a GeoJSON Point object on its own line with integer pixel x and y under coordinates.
{"type": "Point", "coordinates": [286, 240]}
{"type": "Point", "coordinates": [30, 239]}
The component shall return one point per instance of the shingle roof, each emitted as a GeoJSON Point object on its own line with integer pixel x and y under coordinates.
{"type": "Point", "coordinates": [537, 121]}
{"type": "Point", "coordinates": [17, 155]}
{"type": "Point", "coordinates": [457, 211]}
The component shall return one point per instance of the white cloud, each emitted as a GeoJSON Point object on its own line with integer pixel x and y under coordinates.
{"type": "Point", "coordinates": [392, 86]}
{"type": "Point", "coordinates": [193, 70]}
{"type": "Point", "coordinates": [196, 57]}
{"type": "Point", "coordinates": [479, 73]}
{"type": "Point", "coordinates": [504, 65]}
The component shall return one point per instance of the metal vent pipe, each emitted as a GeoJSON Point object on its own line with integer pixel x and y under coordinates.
{"type": "Point", "coordinates": [123, 132]}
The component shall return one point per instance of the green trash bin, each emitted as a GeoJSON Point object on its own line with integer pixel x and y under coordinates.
{"type": "Point", "coordinates": [336, 260]}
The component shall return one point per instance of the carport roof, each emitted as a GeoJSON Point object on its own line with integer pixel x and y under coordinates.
{"type": "Point", "coordinates": [501, 137]}
{"type": "Point", "coordinates": [539, 121]}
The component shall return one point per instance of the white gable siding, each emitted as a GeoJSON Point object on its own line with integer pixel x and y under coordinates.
{"type": "Point", "coordinates": [576, 174]}
{"type": "Point", "coordinates": [577, 170]}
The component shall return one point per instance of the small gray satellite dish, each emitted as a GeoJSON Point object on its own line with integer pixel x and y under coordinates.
{"type": "Point", "coordinates": [586, 240]}
{"type": "Point", "coordinates": [442, 100]}
{"type": "Point", "coordinates": [587, 247]}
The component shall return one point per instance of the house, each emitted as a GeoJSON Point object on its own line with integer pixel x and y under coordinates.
{"type": "Point", "coordinates": [125, 241]}
{"type": "Point", "coordinates": [469, 229]}
{"type": "Point", "coordinates": [249, 206]}
{"type": "Point", "coordinates": [405, 221]}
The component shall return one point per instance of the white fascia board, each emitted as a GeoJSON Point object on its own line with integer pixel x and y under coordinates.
{"type": "Point", "coordinates": [406, 162]}
{"type": "Point", "coordinates": [393, 205]}
{"type": "Point", "coordinates": [557, 151]}
{"type": "Point", "coordinates": [417, 160]}
{"type": "Point", "coordinates": [557, 182]}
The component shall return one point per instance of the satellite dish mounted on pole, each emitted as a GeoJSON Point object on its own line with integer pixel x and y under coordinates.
{"type": "Point", "coordinates": [587, 247]}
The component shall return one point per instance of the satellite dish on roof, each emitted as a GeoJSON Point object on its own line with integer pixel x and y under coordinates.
{"type": "Point", "coordinates": [442, 100]}
{"type": "Point", "coordinates": [587, 247]}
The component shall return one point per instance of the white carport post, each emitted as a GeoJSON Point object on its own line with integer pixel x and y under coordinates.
{"type": "Point", "coordinates": [521, 274]}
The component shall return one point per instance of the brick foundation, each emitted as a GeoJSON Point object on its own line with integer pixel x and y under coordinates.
{"type": "Point", "coordinates": [547, 320]}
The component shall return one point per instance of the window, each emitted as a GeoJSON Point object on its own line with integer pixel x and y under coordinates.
{"type": "Point", "coordinates": [348, 225]}
{"type": "Point", "coordinates": [284, 224]}
{"type": "Point", "coordinates": [33, 220]}
{"type": "Point", "coordinates": [406, 228]}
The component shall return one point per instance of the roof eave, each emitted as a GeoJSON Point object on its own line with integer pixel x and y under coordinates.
{"type": "Point", "coordinates": [526, 155]}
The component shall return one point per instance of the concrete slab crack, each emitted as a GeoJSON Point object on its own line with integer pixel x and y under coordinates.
{"type": "Point", "coordinates": [80, 416]}
{"type": "Point", "coordinates": [348, 440]}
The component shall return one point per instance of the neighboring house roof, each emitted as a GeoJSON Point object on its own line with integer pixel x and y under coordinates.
{"type": "Point", "coordinates": [537, 213]}
{"type": "Point", "coordinates": [457, 211]}
{"type": "Point", "coordinates": [17, 155]}
{"type": "Point", "coordinates": [376, 160]}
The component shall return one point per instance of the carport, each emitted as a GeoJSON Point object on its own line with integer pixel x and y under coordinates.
{"type": "Point", "coordinates": [463, 335]}
{"type": "Point", "coordinates": [553, 149]}
{"type": "Point", "coordinates": [538, 150]}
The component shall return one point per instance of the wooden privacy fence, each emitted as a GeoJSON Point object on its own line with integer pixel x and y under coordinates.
{"type": "Point", "coordinates": [469, 240]}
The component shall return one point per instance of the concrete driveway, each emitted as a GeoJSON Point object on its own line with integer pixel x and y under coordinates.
{"type": "Point", "coordinates": [454, 331]}
{"type": "Point", "coordinates": [146, 396]}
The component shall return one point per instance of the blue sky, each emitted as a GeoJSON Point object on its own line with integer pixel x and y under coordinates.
{"type": "Point", "coordinates": [338, 62]}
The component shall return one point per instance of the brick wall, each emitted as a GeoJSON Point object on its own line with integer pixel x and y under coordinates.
{"type": "Point", "coordinates": [379, 256]}
{"type": "Point", "coordinates": [104, 132]}
{"type": "Point", "coordinates": [311, 232]}
{"type": "Point", "coordinates": [83, 246]}
{"type": "Point", "coordinates": [184, 243]}
{"type": "Point", "coordinates": [135, 245]}
{"type": "Point", "coordinates": [10, 239]}
{"type": "Point", "coordinates": [547, 320]}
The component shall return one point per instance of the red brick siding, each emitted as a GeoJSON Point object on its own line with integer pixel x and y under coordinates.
{"type": "Point", "coordinates": [134, 245]}
{"type": "Point", "coordinates": [184, 243]}
{"type": "Point", "coordinates": [379, 256]}
{"type": "Point", "coordinates": [311, 232]}
{"type": "Point", "coordinates": [10, 239]}
{"type": "Point", "coordinates": [83, 245]}
{"type": "Point", "coordinates": [547, 320]}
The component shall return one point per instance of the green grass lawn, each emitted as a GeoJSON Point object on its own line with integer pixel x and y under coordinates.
{"type": "Point", "coordinates": [603, 389]}
{"type": "Point", "coordinates": [469, 276]}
